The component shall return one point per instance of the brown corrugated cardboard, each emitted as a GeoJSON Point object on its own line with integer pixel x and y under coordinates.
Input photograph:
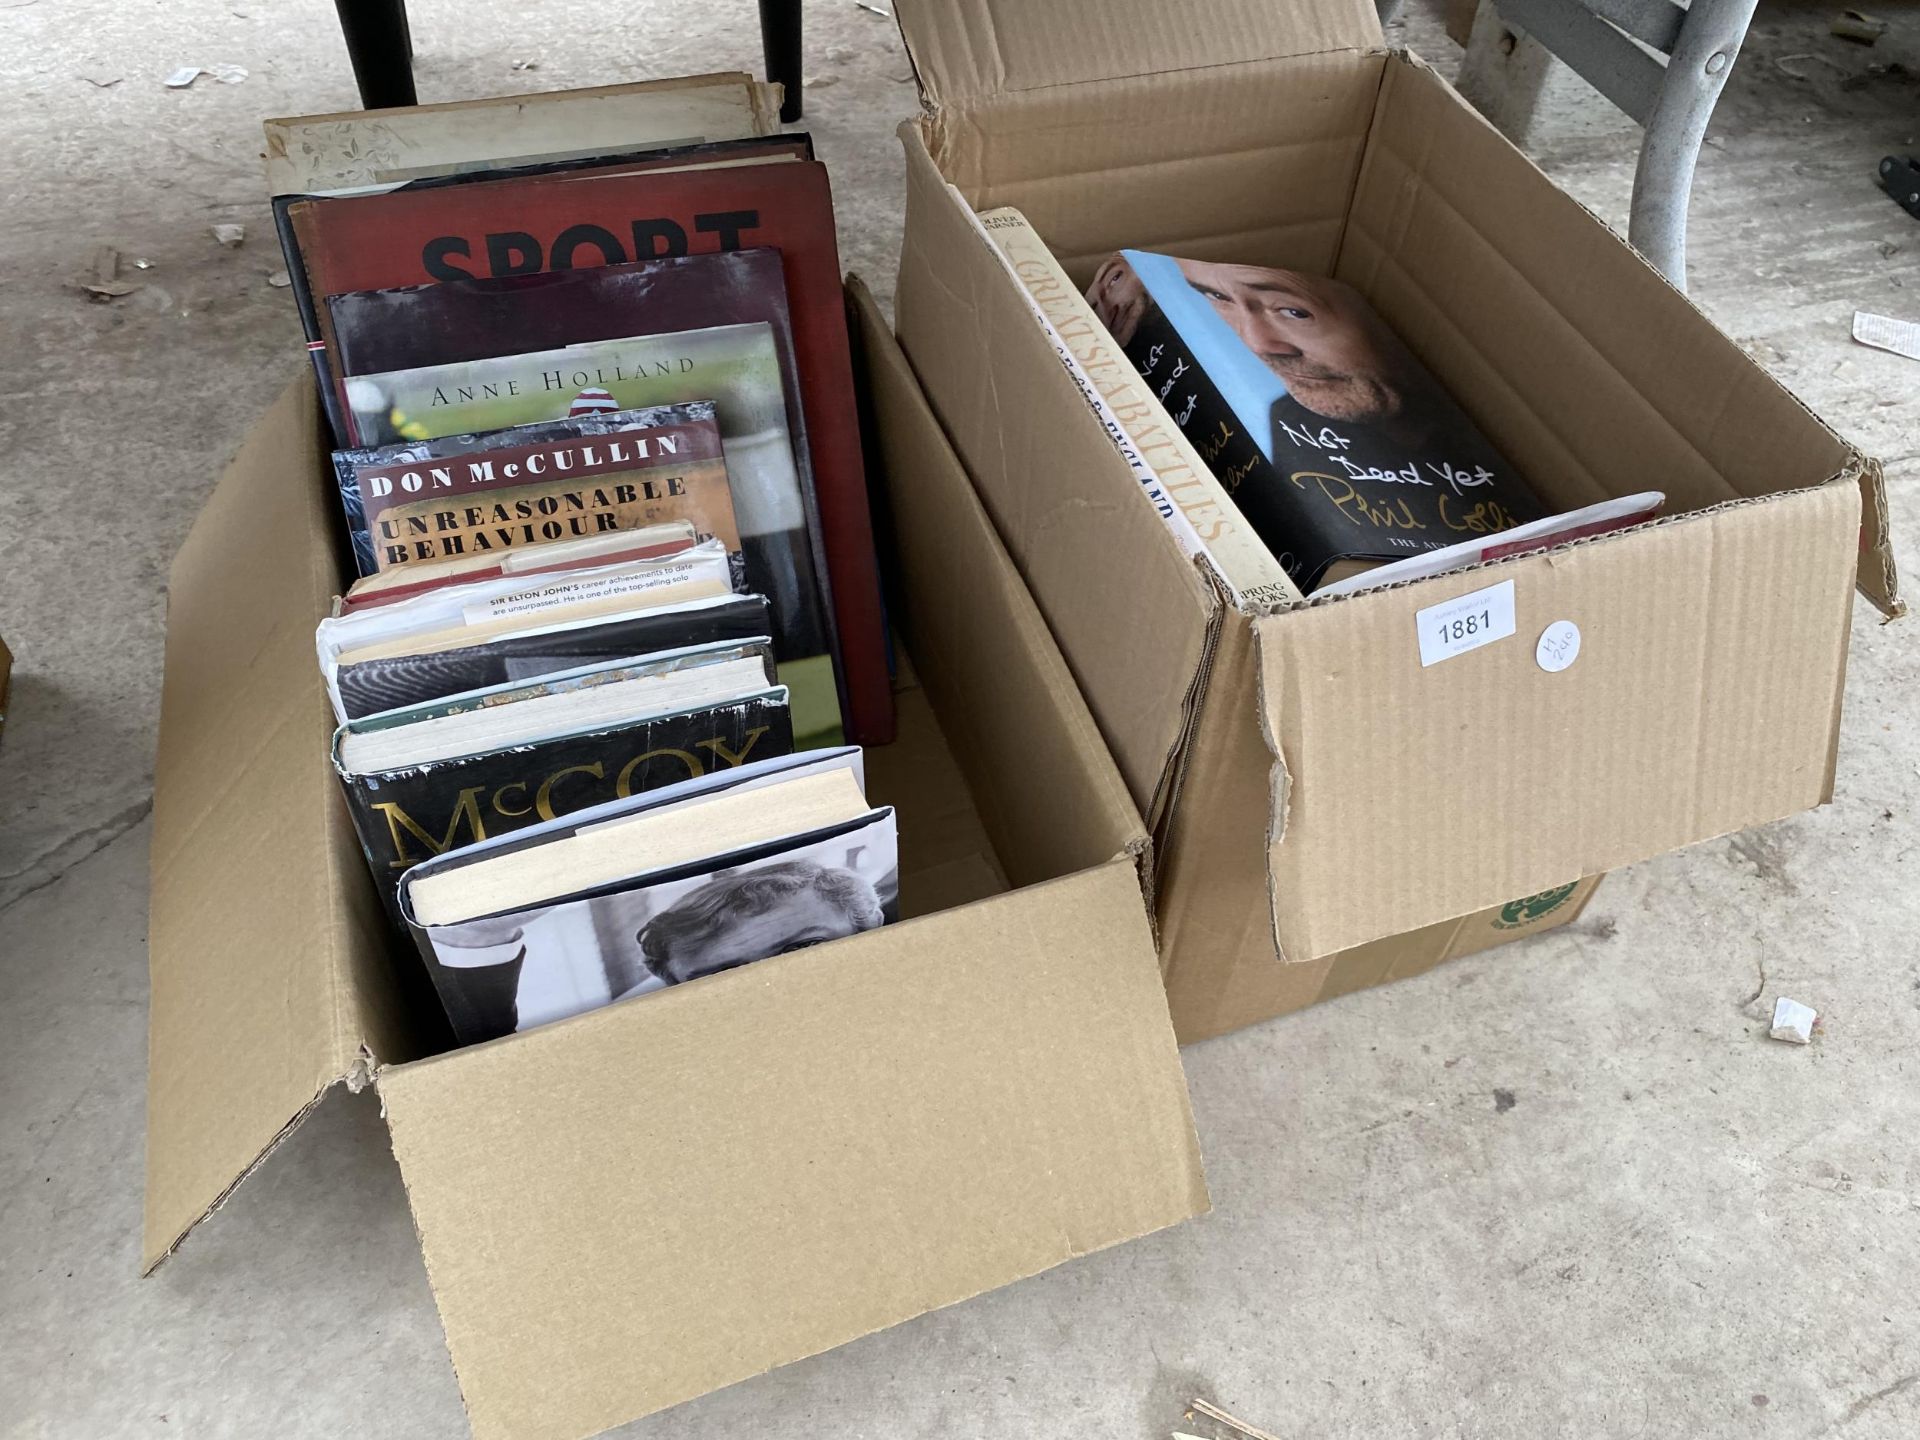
{"type": "Point", "coordinates": [1313, 788]}
{"type": "Point", "coordinates": [974, 52]}
{"type": "Point", "coordinates": [1203, 1010]}
{"type": "Point", "coordinates": [671, 1194]}
{"type": "Point", "coordinates": [651, 1201]}
{"type": "Point", "coordinates": [1065, 812]}
{"type": "Point", "coordinates": [263, 944]}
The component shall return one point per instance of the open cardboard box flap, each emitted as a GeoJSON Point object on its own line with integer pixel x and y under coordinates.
{"type": "Point", "coordinates": [969, 51]}
{"type": "Point", "coordinates": [654, 1200]}
{"type": "Point", "coordinates": [633, 1207]}
{"type": "Point", "coordinates": [1707, 694]}
{"type": "Point", "coordinates": [264, 938]}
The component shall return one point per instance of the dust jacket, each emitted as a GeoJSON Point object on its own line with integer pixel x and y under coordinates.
{"type": "Point", "coordinates": [491, 493]}
{"type": "Point", "coordinates": [409, 815]}
{"type": "Point", "coordinates": [393, 682]}
{"type": "Point", "coordinates": [1339, 447]}
{"type": "Point", "coordinates": [511, 971]}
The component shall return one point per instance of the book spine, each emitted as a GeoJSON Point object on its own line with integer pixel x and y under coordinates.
{"type": "Point", "coordinates": [1258, 487]}
{"type": "Point", "coordinates": [999, 232]}
{"type": "Point", "coordinates": [1173, 474]}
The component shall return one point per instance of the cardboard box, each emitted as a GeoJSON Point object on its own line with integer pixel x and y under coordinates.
{"type": "Point", "coordinates": [630, 1208]}
{"type": "Point", "coordinates": [1312, 787]}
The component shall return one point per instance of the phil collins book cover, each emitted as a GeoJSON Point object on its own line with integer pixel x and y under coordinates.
{"type": "Point", "coordinates": [1340, 448]}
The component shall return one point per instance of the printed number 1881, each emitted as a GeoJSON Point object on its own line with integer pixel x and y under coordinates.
{"type": "Point", "coordinates": [1462, 627]}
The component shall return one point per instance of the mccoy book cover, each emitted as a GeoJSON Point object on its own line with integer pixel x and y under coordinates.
{"type": "Point", "coordinates": [406, 816]}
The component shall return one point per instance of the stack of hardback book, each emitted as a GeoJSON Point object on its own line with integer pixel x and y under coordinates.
{"type": "Point", "coordinates": [1284, 432]}
{"type": "Point", "coordinates": [616, 612]}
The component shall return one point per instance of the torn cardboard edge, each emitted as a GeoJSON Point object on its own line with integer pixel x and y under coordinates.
{"type": "Point", "coordinates": [356, 1078]}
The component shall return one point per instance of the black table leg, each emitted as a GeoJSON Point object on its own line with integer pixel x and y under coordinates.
{"type": "Point", "coordinates": [381, 48]}
{"type": "Point", "coordinates": [780, 40]}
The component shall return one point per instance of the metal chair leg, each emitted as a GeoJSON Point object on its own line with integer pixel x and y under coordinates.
{"type": "Point", "coordinates": [780, 42]}
{"type": "Point", "coordinates": [380, 45]}
{"type": "Point", "coordinates": [1663, 181]}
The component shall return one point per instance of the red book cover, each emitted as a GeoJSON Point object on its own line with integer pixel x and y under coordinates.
{"type": "Point", "coordinates": [611, 215]}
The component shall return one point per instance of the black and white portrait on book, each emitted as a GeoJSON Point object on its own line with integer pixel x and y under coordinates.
{"type": "Point", "coordinates": [531, 967]}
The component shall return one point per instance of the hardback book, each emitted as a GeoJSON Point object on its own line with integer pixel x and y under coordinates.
{"type": "Point", "coordinates": [418, 503]}
{"type": "Point", "coordinates": [1333, 440]}
{"type": "Point", "coordinates": [614, 213]}
{"type": "Point", "coordinates": [1581, 524]}
{"type": "Point", "coordinates": [561, 753]}
{"type": "Point", "coordinates": [410, 326]}
{"type": "Point", "coordinates": [359, 148]}
{"type": "Point", "coordinates": [508, 252]}
{"type": "Point", "coordinates": [523, 711]}
{"type": "Point", "coordinates": [1186, 493]}
{"type": "Point", "coordinates": [369, 687]}
{"type": "Point", "coordinates": [458, 616]}
{"type": "Point", "coordinates": [659, 890]}
{"type": "Point", "coordinates": [649, 543]}
{"type": "Point", "coordinates": [738, 368]}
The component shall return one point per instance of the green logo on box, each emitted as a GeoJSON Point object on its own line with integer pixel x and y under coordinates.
{"type": "Point", "coordinates": [1518, 913]}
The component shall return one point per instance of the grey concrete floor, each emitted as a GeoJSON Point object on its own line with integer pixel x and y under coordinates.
{"type": "Point", "coordinates": [1677, 1227]}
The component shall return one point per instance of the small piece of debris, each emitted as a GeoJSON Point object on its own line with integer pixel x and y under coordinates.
{"type": "Point", "coordinates": [143, 265]}
{"type": "Point", "coordinates": [1887, 249]}
{"type": "Point", "coordinates": [1793, 1022]}
{"type": "Point", "coordinates": [231, 236]}
{"type": "Point", "coordinates": [1860, 28]}
{"type": "Point", "coordinates": [880, 10]}
{"type": "Point", "coordinates": [1220, 1417]}
{"type": "Point", "coordinates": [1503, 1101]}
{"type": "Point", "coordinates": [1883, 332]}
{"type": "Point", "coordinates": [526, 64]}
{"type": "Point", "coordinates": [103, 280]}
{"type": "Point", "coordinates": [279, 280]}
{"type": "Point", "coordinates": [1785, 63]}
{"type": "Point", "coordinates": [103, 84]}
{"type": "Point", "coordinates": [187, 74]}
{"type": "Point", "coordinates": [820, 82]}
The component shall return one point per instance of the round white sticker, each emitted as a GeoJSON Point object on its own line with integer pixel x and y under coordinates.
{"type": "Point", "coordinates": [1559, 645]}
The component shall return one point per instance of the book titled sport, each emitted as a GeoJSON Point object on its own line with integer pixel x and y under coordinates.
{"type": "Point", "coordinates": [1339, 447]}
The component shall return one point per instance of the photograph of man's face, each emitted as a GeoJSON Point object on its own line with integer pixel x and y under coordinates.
{"type": "Point", "coordinates": [1332, 354]}
{"type": "Point", "coordinates": [757, 914]}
